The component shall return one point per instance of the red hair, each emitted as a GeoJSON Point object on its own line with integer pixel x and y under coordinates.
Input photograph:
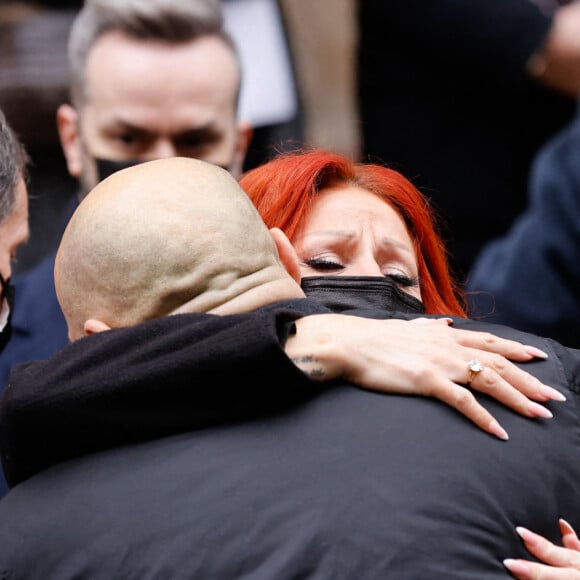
{"type": "Point", "coordinates": [283, 191]}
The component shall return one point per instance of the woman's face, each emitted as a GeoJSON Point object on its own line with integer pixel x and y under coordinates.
{"type": "Point", "coordinates": [352, 232]}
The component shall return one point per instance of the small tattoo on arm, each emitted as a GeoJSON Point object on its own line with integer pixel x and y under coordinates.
{"type": "Point", "coordinates": [309, 366]}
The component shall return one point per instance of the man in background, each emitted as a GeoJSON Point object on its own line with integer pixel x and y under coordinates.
{"type": "Point", "coordinates": [13, 218]}
{"type": "Point", "coordinates": [148, 80]}
{"type": "Point", "coordinates": [14, 227]}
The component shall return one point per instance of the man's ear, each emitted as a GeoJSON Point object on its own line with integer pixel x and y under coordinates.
{"type": "Point", "coordinates": [245, 134]}
{"type": "Point", "coordinates": [70, 139]}
{"type": "Point", "coordinates": [287, 253]}
{"type": "Point", "coordinates": [93, 325]}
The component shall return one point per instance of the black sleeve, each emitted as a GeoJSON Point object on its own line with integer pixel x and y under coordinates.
{"type": "Point", "coordinates": [160, 378]}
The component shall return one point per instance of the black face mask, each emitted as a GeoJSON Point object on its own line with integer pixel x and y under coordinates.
{"type": "Point", "coordinates": [106, 167]}
{"type": "Point", "coordinates": [6, 309]}
{"type": "Point", "coordinates": [352, 292]}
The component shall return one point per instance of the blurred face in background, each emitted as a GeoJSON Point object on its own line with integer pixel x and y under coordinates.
{"type": "Point", "coordinates": [14, 230]}
{"type": "Point", "coordinates": [13, 233]}
{"type": "Point", "coordinates": [147, 100]}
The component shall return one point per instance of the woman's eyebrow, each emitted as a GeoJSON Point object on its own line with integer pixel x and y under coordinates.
{"type": "Point", "coordinates": [351, 234]}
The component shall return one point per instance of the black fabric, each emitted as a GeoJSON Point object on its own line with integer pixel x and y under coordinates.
{"type": "Point", "coordinates": [335, 483]}
{"type": "Point", "coordinates": [152, 380]}
{"type": "Point", "coordinates": [444, 97]}
{"type": "Point", "coordinates": [106, 167]}
{"type": "Point", "coordinates": [339, 293]}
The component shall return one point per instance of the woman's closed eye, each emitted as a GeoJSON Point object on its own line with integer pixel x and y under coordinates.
{"type": "Point", "coordinates": [326, 264]}
{"type": "Point", "coordinates": [403, 280]}
{"type": "Point", "coordinates": [323, 264]}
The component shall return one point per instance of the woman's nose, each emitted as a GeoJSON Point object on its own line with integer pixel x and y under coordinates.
{"type": "Point", "coordinates": [366, 267]}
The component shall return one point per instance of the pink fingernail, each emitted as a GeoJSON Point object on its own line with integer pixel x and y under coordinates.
{"type": "Point", "coordinates": [532, 350]}
{"type": "Point", "coordinates": [496, 429]}
{"type": "Point", "coordinates": [539, 411]}
{"type": "Point", "coordinates": [554, 394]}
{"type": "Point", "coordinates": [526, 535]}
{"type": "Point", "coordinates": [516, 566]}
{"type": "Point", "coordinates": [565, 527]}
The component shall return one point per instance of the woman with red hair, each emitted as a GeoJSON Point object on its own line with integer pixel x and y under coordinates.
{"type": "Point", "coordinates": [316, 195]}
{"type": "Point", "coordinates": [365, 237]}
{"type": "Point", "coordinates": [294, 190]}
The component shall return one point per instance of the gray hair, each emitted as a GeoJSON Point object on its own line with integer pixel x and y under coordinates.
{"type": "Point", "coordinates": [13, 164]}
{"type": "Point", "coordinates": [172, 21]}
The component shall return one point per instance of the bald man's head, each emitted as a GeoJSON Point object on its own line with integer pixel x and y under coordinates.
{"type": "Point", "coordinates": [166, 236]}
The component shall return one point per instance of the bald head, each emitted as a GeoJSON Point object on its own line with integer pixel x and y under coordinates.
{"type": "Point", "coordinates": [167, 236]}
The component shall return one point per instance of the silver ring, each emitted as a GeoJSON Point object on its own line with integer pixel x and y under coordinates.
{"type": "Point", "coordinates": [475, 366]}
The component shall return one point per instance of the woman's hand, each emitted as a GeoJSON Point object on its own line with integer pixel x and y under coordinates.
{"type": "Point", "coordinates": [561, 563]}
{"type": "Point", "coordinates": [421, 357]}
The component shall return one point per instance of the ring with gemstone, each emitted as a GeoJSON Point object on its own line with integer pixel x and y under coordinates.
{"type": "Point", "coordinates": [475, 366]}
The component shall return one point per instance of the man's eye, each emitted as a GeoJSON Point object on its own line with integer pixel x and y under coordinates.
{"type": "Point", "coordinates": [194, 141]}
{"type": "Point", "coordinates": [323, 264]}
{"type": "Point", "coordinates": [127, 139]}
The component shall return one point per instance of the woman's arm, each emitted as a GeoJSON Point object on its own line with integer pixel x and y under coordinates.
{"type": "Point", "coordinates": [421, 357]}
{"type": "Point", "coordinates": [192, 371]}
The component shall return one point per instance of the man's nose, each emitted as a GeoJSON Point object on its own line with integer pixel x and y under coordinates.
{"type": "Point", "coordinates": [163, 149]}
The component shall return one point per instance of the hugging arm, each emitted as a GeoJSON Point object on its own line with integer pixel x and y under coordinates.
{"type": "Point", "coordinates": [422, 357]}
{"type": "Point", "coordinates": [155, 379]}
{"type": "Point", "coordinates": [192, 371]}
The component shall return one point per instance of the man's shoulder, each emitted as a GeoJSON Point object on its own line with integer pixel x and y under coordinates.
{"type": "Point", "coordinates": [36, 296]}
{"type": "Point", "coordinates": [37, 279]}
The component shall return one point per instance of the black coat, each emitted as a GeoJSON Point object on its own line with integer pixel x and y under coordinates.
{"type": "Point", "coordinates": [292, 481]}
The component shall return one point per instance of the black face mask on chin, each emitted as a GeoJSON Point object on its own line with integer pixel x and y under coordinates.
{"type": "Point", "coordinates": [6, 309]}
{"type": "Point", "coordinates": [106, 167]}
{"type": "Point", "coordinates": [340, 293]}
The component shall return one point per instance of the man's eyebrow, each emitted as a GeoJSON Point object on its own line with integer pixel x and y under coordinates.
{"type": "Point", "coordinates": [118, 123]}
{"type": "Point", "coordinates": [205, 134]}
{"type": "Point", "coordinates": [206, 131]}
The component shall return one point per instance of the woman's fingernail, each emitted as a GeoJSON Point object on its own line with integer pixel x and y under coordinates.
{"type": "Point", "coordinates": [516, 566]}
{"type": "Point", "coordinates": [533, 351]}
{"type": "Point", "coordinates": [554, 394]}
{"type": "Point", "coordinates": [496, 429]}
{"type": "Point", "coordinates": [565, 527]}
{"type": "Point", "coordinates": [539, 411]}
{"type": "Point", "coordinates": [526, 535]}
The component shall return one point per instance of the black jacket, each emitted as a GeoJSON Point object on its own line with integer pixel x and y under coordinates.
{"type": "Point", "coordinates": [292, 481]}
